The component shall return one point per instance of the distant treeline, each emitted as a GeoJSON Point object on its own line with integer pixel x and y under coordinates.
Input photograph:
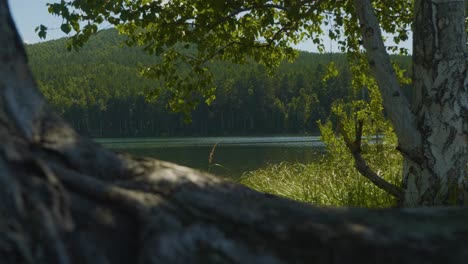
{"type": "Point", "coordinates": [99, 91]}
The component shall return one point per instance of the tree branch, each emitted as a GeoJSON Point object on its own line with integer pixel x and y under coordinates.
{"type": "Point", "coordinates": [361, 165]}
{"type": "Point", "coordinates": [395, 103]}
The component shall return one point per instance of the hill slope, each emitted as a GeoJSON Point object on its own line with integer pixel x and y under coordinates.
{"type": "Point", "coordinates": [99, 91]}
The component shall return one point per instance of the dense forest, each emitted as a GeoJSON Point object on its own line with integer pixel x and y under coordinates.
{"type": "Point", "coordinates": [99, 90]}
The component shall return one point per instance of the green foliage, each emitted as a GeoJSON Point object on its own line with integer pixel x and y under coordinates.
{"type": "Point", "coordinates": [100, 92]}
{"type": "Point", "coordinates": [190, 34]}
{"type": "Point", "coordinates": [333, 180]}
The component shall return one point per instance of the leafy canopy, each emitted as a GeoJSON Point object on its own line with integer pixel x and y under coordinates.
{"type": "Point", "coordinates": [190, 34]}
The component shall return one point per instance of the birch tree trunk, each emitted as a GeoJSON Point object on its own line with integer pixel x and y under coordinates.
{"type": "Point", "coordinates": [433, 133]}
{"type": "Point", "coordinates": [440, 105]}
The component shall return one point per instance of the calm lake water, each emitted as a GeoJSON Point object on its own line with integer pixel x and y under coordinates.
{"type": "Point", "coordinates": [232, 155]}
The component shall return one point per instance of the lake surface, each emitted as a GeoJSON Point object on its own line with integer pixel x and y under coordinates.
{"type": "Point", "coordinates": [231, 157]}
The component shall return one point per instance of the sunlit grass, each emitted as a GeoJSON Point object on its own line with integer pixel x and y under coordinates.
{"type": "Point", "coordinates": [331, 181]}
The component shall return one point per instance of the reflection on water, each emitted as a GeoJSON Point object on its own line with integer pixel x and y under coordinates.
{"type": "Point", "coordinates": [232, 155]}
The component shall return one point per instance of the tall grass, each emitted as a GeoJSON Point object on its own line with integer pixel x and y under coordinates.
{"type": "Point", "coordinates": [331, 181]}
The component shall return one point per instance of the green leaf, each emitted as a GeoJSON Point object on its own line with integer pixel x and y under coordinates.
{"type": "Point", "coordinates": [66, 28]}
{"type": "Point", "coordinates": [42, 31]}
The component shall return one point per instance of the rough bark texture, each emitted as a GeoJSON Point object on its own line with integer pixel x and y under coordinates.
{"type": "Point", "coordinates": [440, 174]}
{"type": "Point", "coordinates": [64, 199]}
{"type": "Point", "coordinates": [433, 134]}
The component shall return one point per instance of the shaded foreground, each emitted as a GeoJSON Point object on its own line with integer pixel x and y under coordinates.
{"type": "Point", "coordinates": [61, 206]}
{"type": "Point", "coordinates": [64, 199]}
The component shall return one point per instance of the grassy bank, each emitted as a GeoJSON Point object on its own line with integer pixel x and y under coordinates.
{"type": "Point", "coordinates": [332, 181]}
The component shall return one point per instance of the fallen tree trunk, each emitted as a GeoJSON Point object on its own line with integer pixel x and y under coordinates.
{"type": "Point", "coordinates": [65, 199]}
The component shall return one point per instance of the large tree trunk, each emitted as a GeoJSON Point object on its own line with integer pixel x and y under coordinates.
{"type": "Point", "coordinates": [433, 133]}
{"type": "Point", "coordinates": [64, 199]}
{"type": "Point", "coordinates": [439, 174]}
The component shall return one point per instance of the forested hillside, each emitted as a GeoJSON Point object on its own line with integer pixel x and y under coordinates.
{"type": "Point", "coordinates": [99, 90]}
